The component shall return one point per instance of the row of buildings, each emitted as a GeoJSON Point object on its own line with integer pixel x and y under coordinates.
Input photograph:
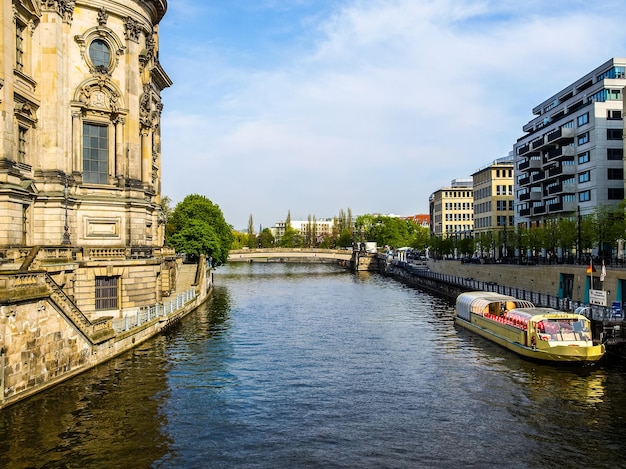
{"type": "Point", "coordinates": [568, 162]}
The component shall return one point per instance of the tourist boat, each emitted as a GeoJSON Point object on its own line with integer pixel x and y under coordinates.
{"type": "Point", "coordinates": [543, 334]}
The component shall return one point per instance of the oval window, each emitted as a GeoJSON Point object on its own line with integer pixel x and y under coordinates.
{"type": "Point", "coordinates": [99, 53]}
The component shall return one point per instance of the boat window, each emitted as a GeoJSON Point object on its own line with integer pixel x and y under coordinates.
{"type": "Point", "coordinates": [565, 329]}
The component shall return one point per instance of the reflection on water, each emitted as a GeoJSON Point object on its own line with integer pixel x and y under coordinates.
{"type": "Point", "coordinates": [310, 366]}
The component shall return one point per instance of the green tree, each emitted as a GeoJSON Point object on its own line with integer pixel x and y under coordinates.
{"type": "Point", "coordinates": [345, 239]}
{"type": "Point", "coordinates": [291, 237]}
{"type": "Point", "coordinates": [465, 246]}
{"type": "Point", "coordinates": [266, 238]}
{"type": "Point", "coordinates": [239, 240]}
{"type": "Point", "coordinates": [199, 227]}
{"type": "Point", "coordinates": [251, 237]}
{"type": "Point", "coordinates": [568, 235]}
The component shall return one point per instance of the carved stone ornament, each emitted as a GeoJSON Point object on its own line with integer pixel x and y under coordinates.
{"type": "Point", "coordinates": [100, 96]}
{"type": "Point", "coordinates": [103, 16]}
{"type": "Point", "coordinates": [145, 107]}
{"type": "Point", "coordinates": [64, 8]}
{"type": "Point", "coordinates": [132, 29]}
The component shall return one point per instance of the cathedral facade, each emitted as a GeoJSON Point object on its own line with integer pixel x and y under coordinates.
{"type": "Point", "coordinates": [80, 151]}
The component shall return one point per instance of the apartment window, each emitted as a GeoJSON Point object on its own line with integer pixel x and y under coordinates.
{"type": "Point", "coordinates": [584, 196]}
{"type": "Point", "coordinates": [614, 134]}
{"type": "Point", "coordinates": [583, 119]}
{"type": "Point", "coordinates": [614, 115]}
{"type": "Point", "coordinates": [95, 151]}
{"type": "Point", "coordinates": [106, 293]}
{"type": "Point", "coordinates": [19, 46]}
{"type": "Point", "coordinates": [584, 177]}
{"type": "Point", "coordinates": [21, 144]}
{"type": "Point", "coordinates": [614, 153]}
{"type": "Point", "coordinates": [583, 138]}
{"type": "Point", "coordinates": [583, 157]}
{"type": "Point", "coordinates": [616, 193]}
{"type": "Point", "coordinates": [615, 173]}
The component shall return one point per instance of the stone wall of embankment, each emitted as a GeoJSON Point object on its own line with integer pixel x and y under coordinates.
{"type": "Point", "coordinates": [44, 341]}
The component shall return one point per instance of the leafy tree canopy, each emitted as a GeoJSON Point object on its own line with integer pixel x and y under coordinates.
{"type": "Point", "coordinates": [391, 231]}
{"type": "Point", "coordinates": [266, 238]}
{"type": "Point", "coordinates": [198, 227]}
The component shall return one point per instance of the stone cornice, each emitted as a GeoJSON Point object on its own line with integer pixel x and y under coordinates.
{"type": "Point", "coordinates": [156, 7]}
{"type": "Point", "coordinates": [64, 8]}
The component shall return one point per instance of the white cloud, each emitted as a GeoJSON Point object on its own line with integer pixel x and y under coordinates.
{"type": "Point", "coordinates": [389, 103]}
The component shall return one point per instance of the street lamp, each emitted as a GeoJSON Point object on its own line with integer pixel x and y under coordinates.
{"type": "Point", "coordinates": [66, 227]}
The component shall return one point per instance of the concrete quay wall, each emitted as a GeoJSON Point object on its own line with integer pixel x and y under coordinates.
{"type": "Point", "coordinates": [536, 278]}
{"type": "Point", "coordinates": [45, 343]}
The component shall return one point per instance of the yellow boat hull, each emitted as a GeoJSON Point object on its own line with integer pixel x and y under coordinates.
{"type": "Point", "coordinates": [506, 337]}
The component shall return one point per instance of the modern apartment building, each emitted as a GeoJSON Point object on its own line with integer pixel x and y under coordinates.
{"type": "Point", "coordinates": [570, 158]}
{"type": "Point", "coordinates": [452, 210]}
{"type": "Point", "coordinates": [493, 197]}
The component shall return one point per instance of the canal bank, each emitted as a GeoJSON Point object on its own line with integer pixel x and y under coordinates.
{"type": "Point", "coordinates": [46, 339]}
{"type": "Point", "coordinates": [542, 285]}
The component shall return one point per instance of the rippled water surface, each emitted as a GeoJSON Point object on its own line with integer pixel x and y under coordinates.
{"type": "Point", "coordinates": [311, 366]}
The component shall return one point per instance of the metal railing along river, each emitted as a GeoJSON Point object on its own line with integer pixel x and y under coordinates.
{"type": "Point", "coordinates": [598, 313]}
{"type": "Point", "coordinates": [148, 313]}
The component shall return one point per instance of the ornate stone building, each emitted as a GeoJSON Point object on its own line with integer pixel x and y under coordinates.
{"type": "Point", "coordinates": [80, 153]}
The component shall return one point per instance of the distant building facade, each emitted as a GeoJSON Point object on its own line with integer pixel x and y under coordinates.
{"type": "Point", "coordinates": [313, 229]}
{"type": "Point", "coordinates": [493, 197]}
{"type": "Point", "coordinates": [421, 219]}
{"type": "Point", "coordinates": [452, 210]}
{"type": "Point", "coordinates": [570, 158]}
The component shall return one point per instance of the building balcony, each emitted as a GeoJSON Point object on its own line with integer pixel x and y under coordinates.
{"type": "Point", "coordinates": [537, 143]}
{"type": "Point", "coordinates": [562, 207]}
{"type": "Point", "coordinates": [562, 135]}
{"type": "Point", "coordinates": [569, 188]}
{"type": "Point", "coordinates": [555, 189]}
{"type": "Point", "coordinates": [553, 208]}
{"type": "Point", "coordinates": [534, 163]}
{"type": "Point", "coordinates": [538, 177]}
{"type": "Point", "coordinates": [570, 206]}
{"type": "Point", "coordinates": [524, 197]}
{"type": "Point", "coordinates": [567, 170]}
{"type": "Point", "coordinates": [524, 181]}
{"type": "Point", "coordinates": [523, 150]}
{"type": "Point", "coordinates": [539, 210]}
{"type": "Point", "coordinates": [524, 212]}
{"type": "Point", "coordinates": [561, 152]}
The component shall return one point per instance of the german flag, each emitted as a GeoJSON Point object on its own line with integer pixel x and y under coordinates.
{"type": "Point", "coordinates": [591, 269]}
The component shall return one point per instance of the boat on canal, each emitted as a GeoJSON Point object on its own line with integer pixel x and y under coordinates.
{"type": "Point", "coordinates": [542, 334]}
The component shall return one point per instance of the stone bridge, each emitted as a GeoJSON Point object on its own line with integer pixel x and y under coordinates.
{"type": "Point", "coordinates": [291, 255]}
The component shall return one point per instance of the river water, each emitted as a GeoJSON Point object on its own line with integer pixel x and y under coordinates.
{"type": "Point", "coordinates": [310, 366]}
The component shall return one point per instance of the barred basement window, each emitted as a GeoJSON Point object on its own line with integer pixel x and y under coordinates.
{"type": "Point", "coordinates": [106, 293]}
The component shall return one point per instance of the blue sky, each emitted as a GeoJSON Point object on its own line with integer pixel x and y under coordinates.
{"type": "Point", "coordinates": [313, 106]}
